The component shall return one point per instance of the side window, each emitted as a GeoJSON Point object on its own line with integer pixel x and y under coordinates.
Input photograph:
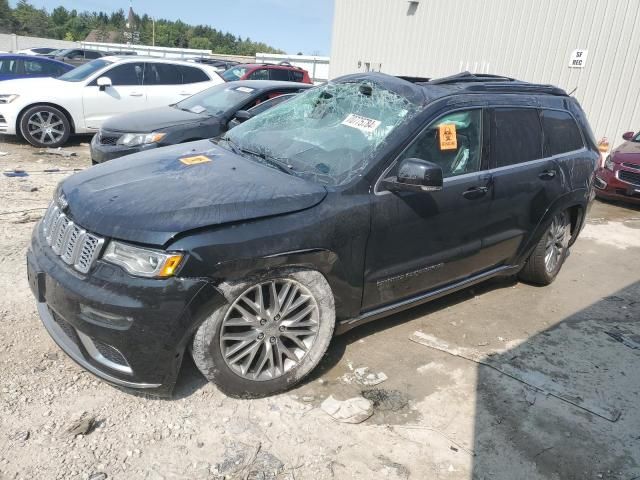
{"type": "Point", "coordinates": [8, 66]}
{"type": "Point", "coordinates": [561, 133]}
{"type": "Point", "coordinates": [193, 75]}
{"type": "Point", "coordinates": [296, 76]}
{"type": "Point", "coordinates": [91, 55]}
{"type": "Point", "coordinates": [279, 74]}
{"type": "Point", "coordinates": [162, 74]}
{"type": "Point", "coordinates": [32, 67]}
{"type": "Point", "coordinates": [454, 142]}
{"type": "Point", "coordinates": [126, 74]}
{"type": "Point", "coordinates": [516, 136]}
{"type": "Point", "coordinates": [260, 74]}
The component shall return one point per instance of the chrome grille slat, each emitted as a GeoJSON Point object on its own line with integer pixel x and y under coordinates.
{"type": "Point", "coordinates": [73, 244]}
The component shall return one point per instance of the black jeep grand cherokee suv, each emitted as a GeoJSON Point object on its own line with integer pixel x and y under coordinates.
{"type": "Point", "coordinates": [355, 200]}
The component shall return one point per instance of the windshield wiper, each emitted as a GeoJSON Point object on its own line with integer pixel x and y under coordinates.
{"type": "Point", "coordinates": [270, 159]}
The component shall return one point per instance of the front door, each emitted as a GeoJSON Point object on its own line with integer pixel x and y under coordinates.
{"type": "Point", "coordinates": [126, 94]}
{"type": "Point", "coordinates": [421, 241]}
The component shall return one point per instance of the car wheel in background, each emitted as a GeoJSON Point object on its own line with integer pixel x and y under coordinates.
{"type": "Point", "coordinates": [272, 332]}
{"type": "Point", "coordinates": [547, 258]}
{"type": "Point", "coordinates": [45, 126]}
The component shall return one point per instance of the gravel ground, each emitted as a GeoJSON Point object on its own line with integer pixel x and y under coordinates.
{"type": "Point", "coordinates": [435, 416]}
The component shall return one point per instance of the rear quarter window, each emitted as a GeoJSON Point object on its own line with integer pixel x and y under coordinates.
{"type": "Point", "coordinates": [561, 133]}
{"type": "Point", "coordinates": [516, 136]}
{"type": "Point", "coordinates": [296, 76]}
{"type": "Point", "coordinates": [193, 75]}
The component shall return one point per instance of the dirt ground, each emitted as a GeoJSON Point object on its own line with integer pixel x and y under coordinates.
{"type": "Point", "coordinates": [501, 381]}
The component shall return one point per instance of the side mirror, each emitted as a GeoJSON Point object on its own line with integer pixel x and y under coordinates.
{"type": "Point", "coordinates": [628, 136]}
{"type": "Point", "coordinates": [243, 116]}
{"type": "Point", "coordinates": [103, 83]}
{"type": "Point", "coordinates": [415, 175]}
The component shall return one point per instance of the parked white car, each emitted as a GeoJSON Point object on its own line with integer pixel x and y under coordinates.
{"type": "Point", "coordinates": [46, 111]}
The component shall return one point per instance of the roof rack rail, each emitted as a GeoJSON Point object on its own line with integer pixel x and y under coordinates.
{"type": "Point", "coordinates": [520, 87]}
{"type": "Point", "coordinates": [411, 79]}
{"type": "Point", "coordinates": [471, 77]}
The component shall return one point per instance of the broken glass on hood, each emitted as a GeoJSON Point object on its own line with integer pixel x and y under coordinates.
{"type": "Point", "coordinates": [327, 134]}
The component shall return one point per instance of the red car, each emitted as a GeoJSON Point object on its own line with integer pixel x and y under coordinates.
{"type": "Point", "coordinates": [266, 71]}
{"type": "Point", "coordinates": [619, 178]}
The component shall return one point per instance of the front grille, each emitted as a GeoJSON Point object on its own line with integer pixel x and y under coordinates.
{"type": "Point", "coordinates": [632, 165]}
{"type": "Point", "coordinates": [108, 139]}
{"type": "Point", "coordinates": [629, 177]}
{"type": "Point", "coordinates": [110, 353]}
{"type": "Point", "coordinates": [68, 330]}
{"type": "Point", "coordinates": [73, 244]}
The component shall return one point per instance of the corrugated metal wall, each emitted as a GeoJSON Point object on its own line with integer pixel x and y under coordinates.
{"type": "Point", "coordinates": [527, 39]}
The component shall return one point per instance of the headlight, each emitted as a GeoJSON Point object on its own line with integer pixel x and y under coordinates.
{"type": "Point", "coordinates": [134, 139]}
{"type": "Point", "coordinates": [142, 262]}
{"type": "Point", "coordinates": [608, 163]}
{"type": "Point", "coordinates": [8, 98]}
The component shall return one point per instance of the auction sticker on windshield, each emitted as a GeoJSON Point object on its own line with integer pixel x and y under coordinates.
{"type": "Point", "coordinates": [361, 123]}
{"type": "Point", "coordinates": [244, 89]}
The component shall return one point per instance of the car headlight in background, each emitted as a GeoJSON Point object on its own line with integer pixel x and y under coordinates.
{"type": "Point", "coordinates": [608, 163]}
{"type": "Point", "coordinates": [134, 139]}
{"type": "Point", "coordinates": [7, 97]}
{"type": "Point", "coordinates": [143, 262]}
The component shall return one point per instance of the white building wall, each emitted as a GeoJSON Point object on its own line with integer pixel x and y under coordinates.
{"type": "Point", "coordinates": [528, 39]}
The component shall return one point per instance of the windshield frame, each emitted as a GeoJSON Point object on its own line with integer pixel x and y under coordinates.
{"type": "Point", "coordinates": [92, 74]}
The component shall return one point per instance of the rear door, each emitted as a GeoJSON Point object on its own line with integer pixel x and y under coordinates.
{"type": "Point", "coordinates": [126, 94]}
{"type": "Point", "coordinates": [525, 181]}
{"type": "Point", "coordinates": [194, 80]}
{"type": "Point", "coordinates": [163, 84]}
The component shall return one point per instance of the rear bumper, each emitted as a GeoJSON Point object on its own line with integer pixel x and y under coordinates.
{"type": "Point", "coordinates": [609, 186]}
{"type": "Point", "coordinates": [130, 332]}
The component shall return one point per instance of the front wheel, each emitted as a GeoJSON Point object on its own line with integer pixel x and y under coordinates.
{"type": "Point", "coordinates": [272, 332]}
{"type": "Point", "coordinates": [547, 258]}
{"type": "Point", "coordinates": [45, 126]}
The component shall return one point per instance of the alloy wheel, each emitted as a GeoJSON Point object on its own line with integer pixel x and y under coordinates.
{"type": "Point", "coordinates": [46, 127]}
{"type": "Point", "coordinates": [269, 329]}
{"type": "Point", "coordinates": [556, 242]}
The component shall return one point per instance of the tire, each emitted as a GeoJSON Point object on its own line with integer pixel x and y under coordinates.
{"type": "Point", "coordinates": [547, 258]}
{"type": "Point", "coordinates": [251, 352]}
{"type": "Point", "coordinates": [45, 126]}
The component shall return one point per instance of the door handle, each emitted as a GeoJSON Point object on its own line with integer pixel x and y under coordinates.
{"type": "Point", "coordinates": [475, 192]}
{"type": "Point", "coordinates": [184, 93]}
{"type": "Point", "coordinates": [135, 94]}
{"type": "Point", "coordinates": [547, 174]}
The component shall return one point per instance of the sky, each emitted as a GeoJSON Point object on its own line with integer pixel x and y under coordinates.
{"type": "Point", "coordinates": [290, 25]}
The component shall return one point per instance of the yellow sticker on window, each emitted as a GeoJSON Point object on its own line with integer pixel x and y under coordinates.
{"type": "Point", "coordinates": [448, 137]}
{"type": "Point", "coordinates": [195, 160]}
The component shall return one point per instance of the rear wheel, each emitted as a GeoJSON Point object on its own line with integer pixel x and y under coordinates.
{"type": "Point", "coordinates": [45, 126]}
{"type": "Point", "coordinates": [547, 258]}
{"type": "Point", "coordinates": [272, 333]}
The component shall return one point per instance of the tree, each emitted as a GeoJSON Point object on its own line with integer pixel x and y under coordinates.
{"type": "Point", "coordinates": [200, 43]}
{"type": "Point", "coordinates": [6, 17]}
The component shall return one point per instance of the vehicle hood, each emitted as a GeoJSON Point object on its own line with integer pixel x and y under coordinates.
{"type": "Point", "coordinates": [37, 85]}
{"type": "Point", "coordinates": [627, 151]}
{"type": "Point", "coordinates": [151, 196]}
{"type": "Point", "coordinates": [152, 120]}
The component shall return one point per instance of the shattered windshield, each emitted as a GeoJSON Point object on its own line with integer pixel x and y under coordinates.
{"type": "Point", "coordinates": [327, 134]}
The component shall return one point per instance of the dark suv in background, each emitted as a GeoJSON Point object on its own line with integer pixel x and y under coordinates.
{"type": "Point", "coordinates": [350, 202]}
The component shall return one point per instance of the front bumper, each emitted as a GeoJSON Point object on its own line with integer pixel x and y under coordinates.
{"type": "Point", "coordinates": [7, 119]}
{"type": "Point", "coordinates": [102, 153]}
{"type": "Point", "coordinates": [131, 332]}
{"type": "Point", "coordinates": [609, 186]}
